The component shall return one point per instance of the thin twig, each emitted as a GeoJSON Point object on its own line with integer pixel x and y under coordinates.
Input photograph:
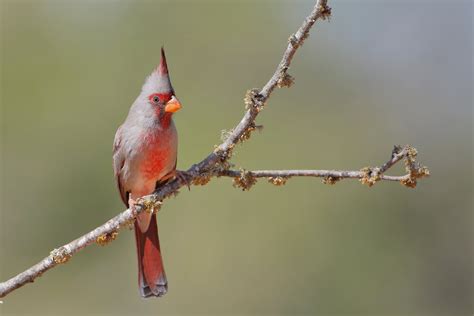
{"type": "Point", "coordinates": [245, 179]}
{"type": "Point", "coordinates": [340, 174]}
{"type": "Point", "coordinates": [216, 164]}
{"type": "Point", "coordinates": [64, 253]}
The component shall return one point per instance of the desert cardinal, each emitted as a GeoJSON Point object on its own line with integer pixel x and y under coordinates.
{"type": "Point", "coordinates": [145, 151]}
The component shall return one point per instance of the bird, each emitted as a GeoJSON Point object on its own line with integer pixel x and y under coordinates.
{"type": "Point", "coordinates": [144, 157]}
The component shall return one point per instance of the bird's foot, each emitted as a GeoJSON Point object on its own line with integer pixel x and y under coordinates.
{"type": "Point", "coordinates": [143, 205]}
{"type": "Point", "coordinates": [184, 177]}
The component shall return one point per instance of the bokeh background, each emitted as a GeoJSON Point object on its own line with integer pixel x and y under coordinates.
{"type": "Point", "coordinates": [379, 73]}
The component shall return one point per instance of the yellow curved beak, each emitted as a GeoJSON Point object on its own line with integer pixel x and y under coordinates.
{"type": "Point", "coordinates": [173, 105]}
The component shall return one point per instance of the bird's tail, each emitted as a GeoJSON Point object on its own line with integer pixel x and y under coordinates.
{"type": "Point", "coordinates": [151, 274]}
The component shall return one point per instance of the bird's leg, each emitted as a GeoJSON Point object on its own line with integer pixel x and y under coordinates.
{"type": "Point", "coordinates": [181, 175]}
{"type": "Point", "coordinates": [131, 204]}
{"type": "Point", "coordinates": [146, 210]}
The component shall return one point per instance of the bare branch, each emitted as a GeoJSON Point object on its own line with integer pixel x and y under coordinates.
{"type": "Point", "coordinates": [340, 174]}
{"type": "Point", "coordinates": [216, 164]}
{"type": "Point", "coordinates": [64, 253]}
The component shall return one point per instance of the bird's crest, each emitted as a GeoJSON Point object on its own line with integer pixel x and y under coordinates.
{"type": "Point", "coordinates": [159, 80]}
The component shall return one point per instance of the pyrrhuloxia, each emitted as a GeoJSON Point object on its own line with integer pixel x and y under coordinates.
{"type": "Point", "coordinates": [145, 151]}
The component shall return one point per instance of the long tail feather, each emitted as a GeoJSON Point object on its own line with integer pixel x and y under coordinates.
{"type": "Point", "coordinates": [151, 274]}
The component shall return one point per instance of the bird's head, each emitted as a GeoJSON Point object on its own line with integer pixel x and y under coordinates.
{"type": "Point", "coordinates": [159, 93]}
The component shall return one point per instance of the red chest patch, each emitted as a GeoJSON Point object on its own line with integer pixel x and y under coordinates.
{"type": "Point", "coordinates": [159, 156]}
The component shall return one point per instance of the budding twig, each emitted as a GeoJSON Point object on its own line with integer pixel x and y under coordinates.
{"type": "Point", "coordinates": [244, 179]}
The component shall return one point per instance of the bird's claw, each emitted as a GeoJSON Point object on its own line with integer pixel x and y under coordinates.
{"type": "Point", "coordinates": [184, 176]}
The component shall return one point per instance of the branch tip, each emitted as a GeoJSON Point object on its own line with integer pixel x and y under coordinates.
{"type": "Point", "coordinates": [324, 10]}
{"type": "Point", "coordinates": [397, 149]}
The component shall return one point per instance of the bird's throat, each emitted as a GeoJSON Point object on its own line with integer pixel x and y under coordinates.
{"type": "Point", "coordinates": [165, 119]}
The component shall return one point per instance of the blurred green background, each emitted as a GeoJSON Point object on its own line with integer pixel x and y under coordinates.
{"type": "Point", "coordinates": [380, 73]}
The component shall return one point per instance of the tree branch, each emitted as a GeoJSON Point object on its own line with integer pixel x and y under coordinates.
{"type": "Point", "coordinates": [216, 165]}
{"type": "Point", "coordinates": [245, 179]}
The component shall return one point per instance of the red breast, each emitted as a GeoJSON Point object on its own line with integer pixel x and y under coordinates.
{"type": "Point", "coordinates": [159, 154]}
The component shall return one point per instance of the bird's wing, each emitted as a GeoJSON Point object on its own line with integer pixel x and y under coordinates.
{"type": "Point", "coordinates": [119, 161]}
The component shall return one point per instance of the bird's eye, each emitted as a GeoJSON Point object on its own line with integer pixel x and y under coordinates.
{"type": "Point", "coordinates": [155, 99]}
